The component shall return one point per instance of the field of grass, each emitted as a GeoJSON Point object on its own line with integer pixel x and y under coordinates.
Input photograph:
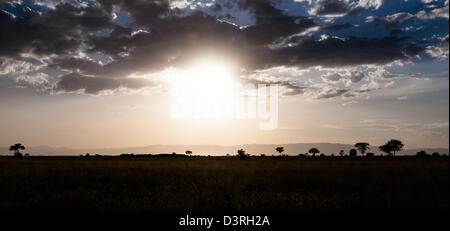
{"type": "Point", "coordinates": [223, 184]}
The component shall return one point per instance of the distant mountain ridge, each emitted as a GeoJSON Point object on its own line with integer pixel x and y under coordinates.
{"type": "Point", "coordinates": [253, 149]}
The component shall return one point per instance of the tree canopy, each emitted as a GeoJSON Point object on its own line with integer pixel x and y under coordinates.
{"type": "Point", "coordinates": [391, 147]}
{"type": "Point", "coordinates": [362, 147]}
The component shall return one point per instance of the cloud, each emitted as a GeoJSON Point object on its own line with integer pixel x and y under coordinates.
{"type": "Point", "coordinates": [57, 31]}
{"type": "Point", "coordinates": [288, 88]}
{"type": "Point", "coordinates": [440, 49]}
{"type": "Point", "coordinates": [82, 37]}
{"type": "Point", "coordinates": [354, 76]}
{"type": "Point", "coordinates": [382, 73]}
{"type": "Point", "coordinates": [429, 130]}
{"type": "Point", "coordinates": [338, 8]}
{"type": "Point", "coordinates": [392, 22]}
{"type": "Point", "coordinates": [76, 83]}
{"type": "Point", "coordinates": [337, 52]}
{"type": "Point", "coordinates": [337, 27]}
{"type": "Point", "coordinates": [349, 103]}
{"type": "Point", "coordinates": [433, 14]}
{"type": "Point", "coordinates": [35, 80]}
{"type": "Point", "coordinates": [332, 93]}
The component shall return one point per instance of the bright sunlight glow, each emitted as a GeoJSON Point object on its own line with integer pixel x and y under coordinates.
{"type": "Point", "coordinates": [207, 88]}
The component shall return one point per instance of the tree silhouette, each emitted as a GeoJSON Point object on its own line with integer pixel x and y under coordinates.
{"type": "Point", "coordinates": [391, 147]}
{"type": "Point", "coordinates": [353, 152]}
{"type": "Point", "coordinates": [16, 148]}
{"type": "Point", "coordinates": [362, 147]}
{"type": "Point", "coordinates": [280, 150]}
{"type": "Point", "coordinates": [188, 152]}
{"type": "Point", "coordinates": [342, 153]}
{"type": "Point", "coordinates": [314, 151]}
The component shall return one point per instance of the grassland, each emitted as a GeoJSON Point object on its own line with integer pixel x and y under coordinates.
{"type": "Point", "coordinates": [223, 184]}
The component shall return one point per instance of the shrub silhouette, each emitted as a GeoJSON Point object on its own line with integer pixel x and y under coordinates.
{"type": "Point", "coordinates": [242, 154]}
{"type": "Point", "coordinates": [421, 154]}
{"type": "Point", "coordinates": [188, 152]}
{"type": "Point", "coordinates": [436, 154]}
{"type": "Point", "coordinates": [278, 157]}
{"type": "Point", "coordinates": [370, 154]}
{"type": "Point", "coordinates": [342, 153]}
{"type": "Point", "coordinates": [353, 153]}
{"type": "Point", "coordinates": [16, 148]}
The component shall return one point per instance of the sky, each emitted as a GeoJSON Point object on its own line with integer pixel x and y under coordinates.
{"type": "Point", "coordinates": [98, 73]}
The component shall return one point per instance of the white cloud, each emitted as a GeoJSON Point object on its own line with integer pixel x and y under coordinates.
{"type": "Point", "coordinates": [436, 13]}
{"type": "Point", "coordinates": [35, 80]}
{"type": "Point", "coordinates": [15, 67]}
{"type": "Point", "coordinates": [440, 50]}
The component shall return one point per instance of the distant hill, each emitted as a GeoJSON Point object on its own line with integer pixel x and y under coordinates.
{"type": "Point", "coordinates": [254, 149]}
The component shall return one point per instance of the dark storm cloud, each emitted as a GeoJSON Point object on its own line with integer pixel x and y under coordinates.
{"type": "Point", "coordinates": [172, 40]}
{"type": "Point", "coordinates": [337, 52]}
{"type": "Point", "coordinates": [58, 31]}
{"type": "Point", "coordinates": [94, 85]}
{"type": "Point", "coordinates": [272, 23]}
{"type": "Point", "coordinates": [143, 12]}
{"type": "Point", "coordinates": [337, 27]}
{"type": "Point", "coordinates": [391, 21]}
{"type": "Point", "coordinates": [331, 7]}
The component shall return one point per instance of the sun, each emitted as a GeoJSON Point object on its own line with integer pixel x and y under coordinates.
{"type": "Point", "coordinates": [206, 89]}
{"type": "Point", "coordinates": [211, 79]}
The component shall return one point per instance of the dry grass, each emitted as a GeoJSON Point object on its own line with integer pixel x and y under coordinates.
{"type": "Point", "coordinates": [223, 184]}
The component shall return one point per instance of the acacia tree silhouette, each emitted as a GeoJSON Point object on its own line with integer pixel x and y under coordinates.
{"type": "Point", "coordinates": [391, 147]}
{"type": "Point", "coordinates": [16, 148]}
{"type": "Point", "coordinates": [362, 147]}
{"type": "Point", "coordinates": [280, 150]}
{"type": "Point", "coordinates": [314, 151]}
{"type": "Point", "coordinates": [188, 152]}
